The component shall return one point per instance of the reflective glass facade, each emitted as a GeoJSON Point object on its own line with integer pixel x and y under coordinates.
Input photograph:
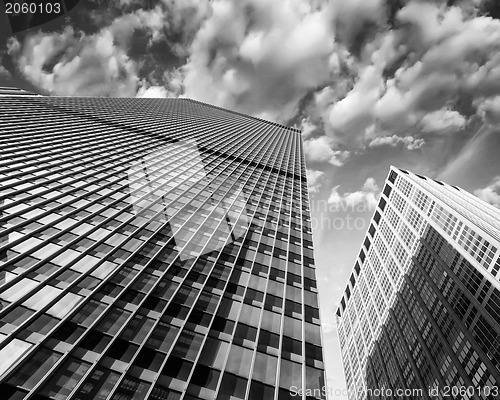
{"type": "Point", "coordinates": [420, 316]}
{"type": "Point", "coordinates": [153, 249]}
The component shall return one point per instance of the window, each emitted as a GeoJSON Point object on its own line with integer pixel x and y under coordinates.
{"type": "Point", "coordinates": [290, 374]}
{"type": "Point", "coordinates": [65, 305]}
{"type": "Point", "coordinates": [131, 389]}
{"type": "Point", "coordinates": [137, 328]}
{"type": "Point", "coordinates": [98, 385]}
{"type": "Point", "coordinates": [65, 379]}
{"type": "Point", "coordinates": [271, 321]}
{"type": "Point", "coordinates": [265, 368]}
{"type": "Point", "coordinates": [18, 290]}
{"type": "Point", "coordinates": [245, 335]}
{"type": "Point", "coordinates": [34, 368]}
{"type": "Point", "coordinates": [239, 361]}
{"type": "Point", "coordinates": [11, 353]}
{"type": "Point", "coordinates": [187, 345]}
{"type": "Point", "coordinates": [42, 325]}
{"type": "Point", "coordinates": [16, 317]}
{"type": "Point", "coordinates": [232, 386]}
{"type": "Point", "coordinates": [113, 321]}
{"type": "Point", "coordinates": [89, 313]}
{"type": "Point", "coordinates": [203, 379]}
{"type": "Point", "coordinates": [162, 337]}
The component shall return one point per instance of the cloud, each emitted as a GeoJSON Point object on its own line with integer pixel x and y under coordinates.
{"type": "Point", "coordinates": [489, 109]}
{"type": "Point", "coordinates": [4, 73]}
{"type": "Point", "coordinates": [314, 180]}
{"type": "Point", "coordinates": [408, 141]}
{"type": "Point", "coordinates": [152, 92]}
{"type": "Point", "coordinates": [319, 150]}
{"type": "Point", "coordinates": [365, 198]}
{"type": "Point", "coordinates": [172, 87]}
{"type": "Point", "coordinates": [359, 71]}
{"type": "Point", "coordinates": [491, 193]}
{"type": "Point", "coordinates": [260, 57]}
{"type": "Point", "coordinates": [348, 119]}
{"type": "Point", "coordinates": [71, 62]}
{"type": "Point", "coordinates": [86, 65]}
{"type": "Point", "coordinates": [443, 120]}
{"type": "Point", "coordinates": [182, 20]}
{"type": "Point", "coordinates": [307, 127]}
{"type": "Point", "coordinates": [422, 67]}
{"type": "Point", "coordinates": [356, 19]}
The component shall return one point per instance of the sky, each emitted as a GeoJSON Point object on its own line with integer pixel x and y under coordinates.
{"type": "Point", "coordinates": [371, 83]}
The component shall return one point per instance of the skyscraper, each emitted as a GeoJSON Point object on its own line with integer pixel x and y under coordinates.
{"type": "Point", "coordinates": [420, 316]}
{"type": "Point", "coordinates": [153, 248]}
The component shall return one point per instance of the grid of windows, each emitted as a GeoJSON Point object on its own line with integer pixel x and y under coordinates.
{"type": "Point", "coordinates": [477, 247]}
{"type": "Point", "coordinates": [117, 286]}
{"type": "Point", "coordinates": [432, 308]}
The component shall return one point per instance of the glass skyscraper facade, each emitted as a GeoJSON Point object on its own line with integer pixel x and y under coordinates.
{"type": "Point", "coordinates": [153, 249]}
{"type": "Point", "coordinates": [420, 316]}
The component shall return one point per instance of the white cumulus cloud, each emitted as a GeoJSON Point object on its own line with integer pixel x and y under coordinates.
{"type": "Point", "coordinates": [366, 197]}
{"type": "Point", "coordinates": [314, 180]}
{"type": "Point", "coordinates": [409, 142]}
{"type": "Point", "coordinates": [491, 193]}
{"type": "Point", "coordinates": [319, 150]}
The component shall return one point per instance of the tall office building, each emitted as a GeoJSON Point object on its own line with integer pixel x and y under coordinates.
{"type": "Point", "coordinates": [421, 311]}
{"type": "Point", "coordinates": [153, 249]}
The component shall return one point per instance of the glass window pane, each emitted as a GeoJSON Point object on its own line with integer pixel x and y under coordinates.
{"type": "Point", "coordinates": [250, 315]}
{"type": "Point", "coordinates": [89, 313]}
{"type": "Point", "coordinates": [113, 321]}
{"type": "Point", "coordinates": [16, 316]}
{"type": "Point", "coordinates": [68, 332]}
{"type": "Point", "coordinates": [65, 305]}
{"type": "Point", "coordinates": [6, 277]}
{"type": "Point", "coordinates": [131, 389]}
{"type": "Point", "coordinates": [232, 387]}
{"type": "Point", "coordinates": [10, 353]}
{"type": "Point", "coordinates": [162, 337]}
{"type": "Point", "coordinates": [42, 325]}
{"type": "Point", "coordinates": [214, 353]}
{"type": "Point", "coordinates": [42, 297]}
{"type": "Point", "coordinates": [258, 391]}
{"type": "Point", "coordinates": [98, 385]}
{"type": "Point", "coordinates": [33, 369]}
{"type": "Point", "coordinates": [187, 346]}
{"type": "Point", "coordinates": [271, 321]}
{"type": "Point", "coordinates": [161, 393]}
{"type": "Point", "coordinates": [137, 328]}
{"type": "Point", "coordinates": [314, 380]}
{"type": "Point", "coordinates": [264, 369]}
{"type": "Point", "coordinates": [239, 361]}
{"type": "Point", "coordinates": [65, 379]}
{"type": "Point", "coordinates": [290, 374]}
{"type": "Point", "coordinates": [18, 290]}
{"type": "Point", "coordinates": [293, 328]}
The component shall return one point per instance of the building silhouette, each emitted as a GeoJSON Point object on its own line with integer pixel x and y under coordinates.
{"type": "Point", "coordinates": [420, 316]}
{"type": "Point", "coordinates": [153, 249]}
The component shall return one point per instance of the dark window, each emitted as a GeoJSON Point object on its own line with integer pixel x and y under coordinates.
{"type": "Point", "coordinates": [131, 389]}
{"type": "Point", "coordinates": [392, 176]}
{"type": "Point", "coordinates": [162, 337]}
{"type": "Point", "coordinates": [97, 385]}
{"type": "Point", "coordinates": [65, 379]}
{"type": "Point", "coordinates": [177, 368]}
{"type": "Point", "coordinates": [387, 190]}
{"type": "Point", "coordinates": [371, 231]}
{"type": "Point", "coordinates": [382, 204]}
{"type": "Point", "coordinates": [34, 368]}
